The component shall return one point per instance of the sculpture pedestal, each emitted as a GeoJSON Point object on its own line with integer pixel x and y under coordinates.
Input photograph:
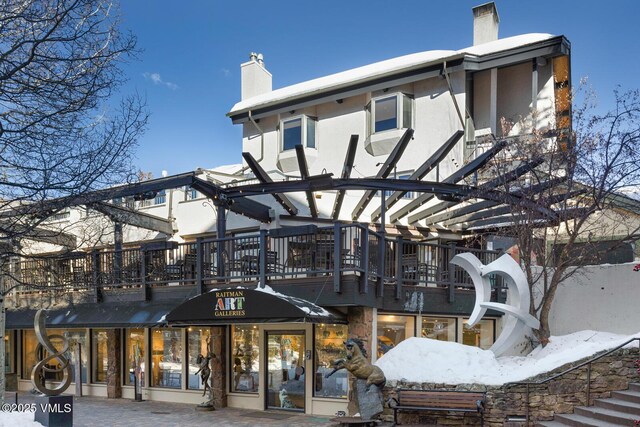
{"type": "Point", "coordinates": [369, 401]}
{"type": "Point", "coordinates": [54, 411]}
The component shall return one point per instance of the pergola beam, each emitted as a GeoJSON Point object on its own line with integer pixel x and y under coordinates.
{"type": "Point", "coordinates": [264, 177]}
{"type": "Point", "coordinates": [490, 185]}
{"type": "Point", "coordinates": [462, 173]}
{"type": "Point", "coordinates": [430, 164]}
{"type": "Point", "coordinates": [135, 218]}
{"type": "Point", "coordinates": [346, 174]}
{"type": "Point", "coordinates": [385, 170]}
{"type": "Point", "coordinates": [304, 174]}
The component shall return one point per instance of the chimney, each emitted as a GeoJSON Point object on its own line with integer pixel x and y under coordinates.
{"type": "Point", "coordinates": [256, 80]}
{"type": "Point", "coordinates": [485, 23]}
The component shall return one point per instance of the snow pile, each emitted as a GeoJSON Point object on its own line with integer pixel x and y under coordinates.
{"type": "Point", "coordinates": [18, 419]}
{"type": "Point", "coordinates": [427, 360]}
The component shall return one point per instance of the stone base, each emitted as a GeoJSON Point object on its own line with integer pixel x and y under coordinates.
{"type": "Point", "coordinates": [205, 408]}
{"type": "Point", "coordinates": [369, 401]}
{"type": "Point", "coordinates": [54, 411]}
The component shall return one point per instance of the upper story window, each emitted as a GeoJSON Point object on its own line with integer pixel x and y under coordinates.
{"type": "Point", "coordinates": [161, 197]}
{"type": "Point", "coordinates": [296, 131]}
{"type": "Point", "coordinates": [190, 193]}
{"type": "Point", "coordinates": [389, 112]}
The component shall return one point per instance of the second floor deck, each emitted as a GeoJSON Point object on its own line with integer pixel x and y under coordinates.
{"type": "Point", "coordinates": [337, 256]}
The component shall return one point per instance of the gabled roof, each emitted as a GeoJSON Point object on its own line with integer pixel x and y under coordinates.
{"type": "Point", "coordinates": [390, 67]}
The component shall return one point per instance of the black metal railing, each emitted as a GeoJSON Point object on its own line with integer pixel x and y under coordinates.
{"type": "Point", "coordinates": [588, 363]}
{"type": "Point", "coordinates": [295, 252]}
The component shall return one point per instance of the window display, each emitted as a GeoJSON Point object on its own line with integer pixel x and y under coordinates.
{"type": "Point", "coordinates": [392, 330]}
{"type": "Point", "coordinates": [99, 354]}
{"type": "Point", "coordinates": [198, 341]}
{"type": "Point", "coordinates": [166, 357]}
{"type": "Point", "coordinates": [245, 361]}
{"type": "Point", "coordinates": [134, 355]}
{"type": "Point", "coordinates": [480, 335]}
{"type": "Point", "coordinates": [439, 328]}
{"type": "Point", "coordinates": [329, 347]}
{"type": "Point", "coordinates": [75, 337]}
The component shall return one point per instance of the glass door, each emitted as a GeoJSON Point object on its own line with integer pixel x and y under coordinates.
{"type": "Point", "coordinates": [285, 370]}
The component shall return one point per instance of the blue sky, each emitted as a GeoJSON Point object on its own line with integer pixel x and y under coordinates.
{"type": "Point", "coordinates": [189, 70]}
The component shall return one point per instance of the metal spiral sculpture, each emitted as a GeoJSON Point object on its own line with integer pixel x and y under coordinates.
{"type": "Point", "coordinates": [37, 374]}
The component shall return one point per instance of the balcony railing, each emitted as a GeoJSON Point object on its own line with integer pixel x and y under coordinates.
{"type": "Point", "coordinates": [285, 253]}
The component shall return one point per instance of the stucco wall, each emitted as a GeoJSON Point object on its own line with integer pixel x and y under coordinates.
{"type": "Point", "coordinates": [600, 297]}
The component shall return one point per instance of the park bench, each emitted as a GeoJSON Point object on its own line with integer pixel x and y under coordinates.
{"type": "Point", "coordinates": [439, 400]}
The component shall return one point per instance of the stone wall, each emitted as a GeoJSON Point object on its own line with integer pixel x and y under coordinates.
{"type": "Point", "coordinates": [611, 373]}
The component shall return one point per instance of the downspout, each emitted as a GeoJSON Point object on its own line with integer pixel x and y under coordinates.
{"type": "Point", "coordinates": [453, 97]}
{"type": "Point", "coordinates": [261, 142]}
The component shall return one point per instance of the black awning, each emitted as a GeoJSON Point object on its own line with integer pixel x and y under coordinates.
{"type": "Point", "coordinates": [239, 305]}
{"type": "Point", "coordinates": [102, 315]}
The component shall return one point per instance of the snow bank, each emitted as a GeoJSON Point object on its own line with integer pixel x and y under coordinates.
{"type": "Point", "coordinates": [427, 360]}
{"type": "Point", "coordinates": [18, 419]}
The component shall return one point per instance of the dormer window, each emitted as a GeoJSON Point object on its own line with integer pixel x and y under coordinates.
{"type": "Point", "coordinates": [298, 130]}
{"type": "Point", "coordinates": [388, 116]}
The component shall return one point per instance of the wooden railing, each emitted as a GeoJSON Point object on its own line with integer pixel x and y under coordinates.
{"type": "Point", "coordinates": [296, 252]}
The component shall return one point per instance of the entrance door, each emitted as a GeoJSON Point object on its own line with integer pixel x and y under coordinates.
{"type": "Point", "coordinates": [285, 370]}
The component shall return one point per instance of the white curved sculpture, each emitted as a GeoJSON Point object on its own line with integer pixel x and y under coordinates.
{"type": "Point", "coordinates": [517, 313]}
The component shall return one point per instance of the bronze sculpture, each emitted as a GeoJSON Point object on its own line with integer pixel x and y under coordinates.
{"type": "Point", "coordinates": [356, 362]}
{"type": "Point", "coordinates": [205, 370]}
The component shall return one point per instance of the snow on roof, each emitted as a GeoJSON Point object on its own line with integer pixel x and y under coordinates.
{"type": "Point", "coordinates": [389, 66]}
{"type": "Point", "coordinates": [427, 360]}
{"type": "Point", "coordinates": [228, 169]}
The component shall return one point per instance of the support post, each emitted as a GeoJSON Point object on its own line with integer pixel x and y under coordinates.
{"type": "Point", "coordinates": [364, 261]}
{"type": "Point", "coordinates": [117, 256]}
{"type": "Point", "coordinates": [95, 274]}
{"type": "Point", "coordinates": [262, 261]}
{"type": "Point", "coordinates": [399, 272]}
{"type": "Point", "coordinates": [114, 364]}
{"type": "Point", "coordinates": [143, 274]}
{"type": "Point", "coordinates": [337, 256]}
{"type": "Point", "coordinates": [381, 269]}
{"type": "Point", "coordinates": [221, 231]}
{"type": "Point", "coordinates": [199, 273]}
{"type": "Point", "coordinates": [451, 275]}
{"type": "Point", "coordinates": [77, 375]}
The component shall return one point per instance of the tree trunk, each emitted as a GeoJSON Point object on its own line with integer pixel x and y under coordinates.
{"type": "Point", "coordinates": [3, 380]}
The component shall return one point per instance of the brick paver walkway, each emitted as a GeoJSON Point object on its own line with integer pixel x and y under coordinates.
{"type": "Point", "coordinates": [99, 412]}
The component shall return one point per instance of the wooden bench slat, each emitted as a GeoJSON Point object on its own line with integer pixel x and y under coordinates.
{"type": "Point", "coordinates": [435, 400]}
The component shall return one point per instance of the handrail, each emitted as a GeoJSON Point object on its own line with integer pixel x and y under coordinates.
{"type": "Point", "coordinates": [600, 356]}
{"type": "Point", "coordinates": [587, 363]}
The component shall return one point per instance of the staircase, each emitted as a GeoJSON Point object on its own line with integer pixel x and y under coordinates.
{"type": "Point", "coordinates": [621, 409]}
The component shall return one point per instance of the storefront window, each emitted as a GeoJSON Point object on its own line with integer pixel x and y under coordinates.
{"type": "Point", "coordinates": [392, 330]}
{"type": "Point", "coordinates": [166, 358]}
{"type": "Point", "coordinates": [481, 335]}
{"type": "Point", "coordinates": [198, 344]}
{"type": "Point", "coordinates": [99, 354]}
{"type": "Point", "coordinates": [9, 365]}
{"type": "Point", "coordinates": [329, 347]}
{"type": "Point", "coordinates": [29, 356]}
{"type": "Point", "coordinates": [439, 328]}
{"type": "Point", "coordinates": [245, 366]}
{"type": "Point", "coordinates": [75, 337]}
{"type": "Point", "coordinates": [134, 356]}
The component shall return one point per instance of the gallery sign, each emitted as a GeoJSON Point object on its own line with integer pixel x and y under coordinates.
{"type": "Point", "coordinates": [229, 303]}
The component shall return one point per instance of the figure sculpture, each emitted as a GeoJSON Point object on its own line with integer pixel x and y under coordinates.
{"type": "Point", "coordinates": [54, 355]}
{"type": "Point", "coordinates": [369, 399]}
{"type": "Point", "coordinates": [356, 362]}
{"type": "Point", "coordinates": [205, 370]}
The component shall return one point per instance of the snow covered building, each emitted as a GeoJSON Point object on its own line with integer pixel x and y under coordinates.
{"type": "Point", "coordinates": [339, 259]}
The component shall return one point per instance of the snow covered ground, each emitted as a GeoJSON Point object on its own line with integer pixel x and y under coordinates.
{"type": "Point", "coordinates": [427, 360]}
{"type": "Point", "coordinates": [18, 419]}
